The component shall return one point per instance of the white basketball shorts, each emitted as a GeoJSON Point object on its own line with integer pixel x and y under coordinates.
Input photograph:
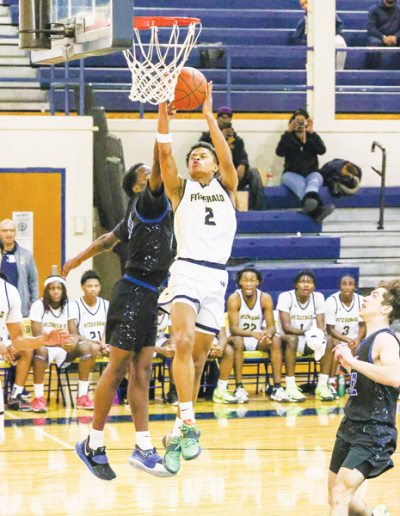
{"type": "Point", "coordinates": [58, 355]}
{"type": "Point", "coordinates": [250, 343]}
{"type": "Point", "coordinates": [202, 288]}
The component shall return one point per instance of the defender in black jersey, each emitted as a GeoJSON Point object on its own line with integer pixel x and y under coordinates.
{"type": "Point", "coordinates": [131, 329]}
{"type": "Point", "coordinates": [367, 436]}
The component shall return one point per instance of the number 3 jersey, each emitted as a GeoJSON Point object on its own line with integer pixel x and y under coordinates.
{"type": "Point", "coordinates": [90, 320]}
{"type": "Point", "coordinates": [205, 222]}
{"type": "Point", "coordinates": [345, 319]}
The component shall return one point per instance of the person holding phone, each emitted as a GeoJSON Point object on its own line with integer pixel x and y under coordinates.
{"type": "Point", "coordinates": [300, 145]}
{"type": "Point", "coordinates": [247, 176]}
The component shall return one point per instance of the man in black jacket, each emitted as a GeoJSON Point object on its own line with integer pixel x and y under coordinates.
{"type": "Point", "coordinates": [383, 28]}
{"type": "Point", "coordinates": [247, 176]}
{"type": "Point", "coordinates": [300, 146]}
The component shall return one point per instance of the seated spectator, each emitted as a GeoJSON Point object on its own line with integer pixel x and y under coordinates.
{"type": "Point", "coordinates": [383, 28]}
{"type": "Point", "coordinates": [248, 308]}
{"type": "Point", "coordinates": [165, 347]}
{"type": "Point", "coordinates": [341, 177]}
{"type": "Point", "coordinates": [53, 312]}
{"type": "Point", "coordinates": [299, 37]}
{"type": "Point", "coordinates": [300, 145]}
{"type": "Point", "coordinates": [247, 176]}
{"type": "Point", "coordinates": [300, 310]}
{"type": "Point", "coordinates": [343, 322]}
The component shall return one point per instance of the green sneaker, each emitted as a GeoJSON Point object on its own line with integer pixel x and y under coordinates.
{"type": "Point", "coordinates": [295, 395]}
{"type": "Point", "coordinates": [190, 440]}
{"type": "Point", "coordinates": [323, 393]}
{"type": "Point", "coordinates": [380, 510]}
{"type": "Point", "coordinates": [224, 396]}
{"type": "Point", "coordinates": [172, 457]}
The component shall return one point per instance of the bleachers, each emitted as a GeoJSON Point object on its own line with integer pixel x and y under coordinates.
{"type": "Point", "coordinates": [268, 72]}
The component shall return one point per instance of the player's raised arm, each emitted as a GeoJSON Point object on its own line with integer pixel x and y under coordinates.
{"type": "Point", "coordinates": [104, 243]}
{"type": "Point", "coordinates": [155, 179]}
{"type": "Point", "coordinates": [227, 170]}
{"type": "Point", "coordinates": [169, 171]}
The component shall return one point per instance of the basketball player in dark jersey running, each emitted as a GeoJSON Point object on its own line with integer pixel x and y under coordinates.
{"type": "Point", "coordinates": [131, 328]}
{"type": "Point", "coordinates": [367, 436]}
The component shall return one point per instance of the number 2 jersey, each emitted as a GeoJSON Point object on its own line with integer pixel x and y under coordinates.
{"type": "Point", "coordinates": [90, 320]}
{"type": "Point", "coordinates": [205, 223]}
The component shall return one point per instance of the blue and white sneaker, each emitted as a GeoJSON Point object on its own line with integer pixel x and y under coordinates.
{"type": "Point", "coordinates": [95, 460]}
{"type": "Point", "coordinates": [149, 461]}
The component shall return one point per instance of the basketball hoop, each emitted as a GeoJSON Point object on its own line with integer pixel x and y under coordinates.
{"type": "Point", "coordinates": [155, 82]}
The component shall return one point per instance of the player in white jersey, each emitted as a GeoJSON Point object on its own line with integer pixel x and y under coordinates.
{"type": "Point", "coordinates": [91, 310]}
{"type": "Point", "coordinates": [301, 310]}
{"type": "Point", "coordinates": [248, 309]}
{"type": "Point", "coordinates": [342, 317]}
{"type": "Point", "coordinates": [12, 337]}
{"type": "Point", "coordinates": [205, 225]}
{"type": "Point", "coordinates": [52, 311]}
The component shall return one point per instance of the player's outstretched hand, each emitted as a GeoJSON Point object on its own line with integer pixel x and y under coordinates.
{"type": "Point", "coordinates": [344, 357]}
{"type": "Point", "coordinates": [70, 264]}
{"type": "Point", "coordinates": [8, 353]}
{"type": "Point", "coordinates": [171, 111]}
{"type": "Point", "coordinates": [56, 337]}
{"type": "Point", "coordinates": [207, 104]}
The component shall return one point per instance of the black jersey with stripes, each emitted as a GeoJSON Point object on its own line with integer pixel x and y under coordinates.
{"type": "Point", "coordinates": [370, 401]}
{"type": "Point", "coordinates": [147, 229]}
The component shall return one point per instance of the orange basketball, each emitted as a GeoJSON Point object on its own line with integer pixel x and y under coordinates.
{"type": "Point", "coordinates": [190, 89]}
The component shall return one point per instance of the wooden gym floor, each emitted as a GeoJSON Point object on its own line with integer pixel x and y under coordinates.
{"type": "Point", "coordinates": [263, 458]}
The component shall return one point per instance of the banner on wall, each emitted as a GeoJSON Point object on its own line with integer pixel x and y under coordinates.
{"type": "Point", "coordinates": [23, 221]}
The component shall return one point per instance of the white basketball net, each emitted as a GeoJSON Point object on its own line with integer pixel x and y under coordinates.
{"type": "Point", "coordinates": [155, 82]}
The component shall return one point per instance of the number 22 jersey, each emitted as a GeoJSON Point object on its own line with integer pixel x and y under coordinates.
{"type": "Point", "coordinates": [205, 222]}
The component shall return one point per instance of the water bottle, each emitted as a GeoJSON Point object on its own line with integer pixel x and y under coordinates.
{"type": "Point", "coordinates": [341, 387]}
{"type": "Point", "coordinates": [270, 179]}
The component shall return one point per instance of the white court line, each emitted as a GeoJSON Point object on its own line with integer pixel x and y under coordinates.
{"type": "Point", "coordinates": [42, 432]}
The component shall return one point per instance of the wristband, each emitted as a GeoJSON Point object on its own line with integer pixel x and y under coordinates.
{"type": "Point", "coordinates": [164, 138]}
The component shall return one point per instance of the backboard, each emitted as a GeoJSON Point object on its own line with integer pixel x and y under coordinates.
{"type": "Point", "coordinates": [97, 27]}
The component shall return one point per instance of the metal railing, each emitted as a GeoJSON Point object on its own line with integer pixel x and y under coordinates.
{"type": "Point", "coordinates": [381, 173]}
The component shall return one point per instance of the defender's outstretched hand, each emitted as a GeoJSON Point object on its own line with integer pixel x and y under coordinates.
{"type": "Point", "coordinates": [56, 337]}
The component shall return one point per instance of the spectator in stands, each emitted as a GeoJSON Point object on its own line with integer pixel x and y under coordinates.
{"type": "Point", "coordinates": [299, 37]}
{"type": "Point", "coordinates": [300, 145]}
{"type": "Point", "coordinates": [19, 266]}
{"type": "Point", "coordinates": [301, 310]}
{"type": "Point", "coordinates": [53, 311]}
{"type": "Point", "coordinates": [383, 28]}
{"type": "Point", "coordinates": [248, 308]}
{"type": "Point", "coordinates": [247, 176]}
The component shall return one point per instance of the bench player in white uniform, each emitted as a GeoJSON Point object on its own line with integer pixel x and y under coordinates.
{"type": "Point", "coordinates": [301, 310]}
{"type": "Point", "coordinates": [342, 317]}
{"type": "Point", "coordinates": [52, 311]}
{"type": "Point", "coordinates": [249, 309]}
{"type": "Point", "coordinates": [12, 337]}
{"type": "Point", "coordinates": [205, 226]}
{"type": "Point", "coordinates": [90, 311]}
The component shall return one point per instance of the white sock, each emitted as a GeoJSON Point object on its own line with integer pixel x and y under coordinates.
{"type": "Point", "coordinates": [96, 439]}
{"type": "Point", "coordinates": [83, 388]}
{"type": "Point", "coordinates": [17, 389]}
{"type": "Point", "coordinates": [39, 390]}
{"type": "Point", "coordinates": [332, 381]}
{"type": "Point", "coordinates": [290, 381]}
{"type": "Point", "coordinates": [322, 379]}
{"type": "Point", "coordinates": [176, 431]}
{"type": "Point", "coordinates": [143, 440]}
{"type": "Point", "coordinates": [222, 384]}
{"type": "Point", "coordinates": [187, 411]}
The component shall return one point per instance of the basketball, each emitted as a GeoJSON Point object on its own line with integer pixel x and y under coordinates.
{"type": "Point", "coordinates": [190, 89]}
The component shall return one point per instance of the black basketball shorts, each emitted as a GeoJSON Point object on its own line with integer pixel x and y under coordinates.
{"type": "Point", "coordinates": [132, 317]}
{"type": "Point", "coordinates": [364, 446]}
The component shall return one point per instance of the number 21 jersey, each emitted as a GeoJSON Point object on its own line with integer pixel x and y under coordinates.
{"type": "Point", "coordinates": [205, 222]}
{"type": "Point", "coordinates": [90, 320]}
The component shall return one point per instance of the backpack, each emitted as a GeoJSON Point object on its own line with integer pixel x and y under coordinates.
{"type": "Point", "coordinates": [342, 177]}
